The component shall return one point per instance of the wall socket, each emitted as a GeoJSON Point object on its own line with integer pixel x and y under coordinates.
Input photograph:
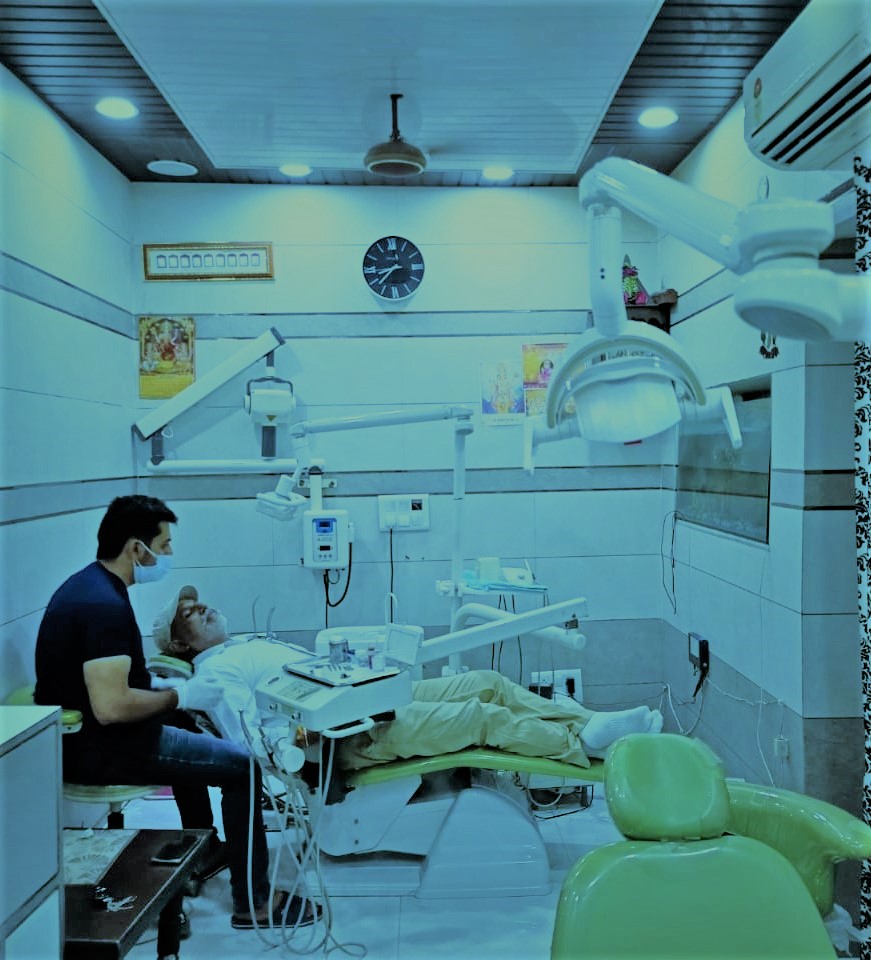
{"type": "Point", "coordinates": [699, 652]}
{"type": "Point", "coordinates": [559, 681]}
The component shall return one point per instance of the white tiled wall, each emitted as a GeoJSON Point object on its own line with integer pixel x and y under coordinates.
{"type": "Point", "coordinates": [766, 609]}
{"type": "Point", "coordinates": [234, 555]}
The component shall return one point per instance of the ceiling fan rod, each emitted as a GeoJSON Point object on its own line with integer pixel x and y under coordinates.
{"type": "Point", "coordinates": [394, 97]}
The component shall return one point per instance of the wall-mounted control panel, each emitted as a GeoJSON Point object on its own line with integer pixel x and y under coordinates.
{"type": "Point", "coordinates": [326, 535]}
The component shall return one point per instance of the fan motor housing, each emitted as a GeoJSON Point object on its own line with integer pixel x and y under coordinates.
{"type": "Point", "coordinates": [395, 158]}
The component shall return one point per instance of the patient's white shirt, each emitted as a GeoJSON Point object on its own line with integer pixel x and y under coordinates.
{"type": "Point", "coordinates": [239, 665]}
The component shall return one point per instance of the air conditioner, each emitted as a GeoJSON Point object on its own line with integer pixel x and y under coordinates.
{"type": "Point", "coordinates": [807, 103]}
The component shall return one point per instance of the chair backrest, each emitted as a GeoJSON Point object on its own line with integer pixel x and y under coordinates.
{"type": "Point", "coordinates": [683, 890]}
{"type": "Point", "coordinates": [163, 665]}
{"type": "Point", "coordinates": [71, 720]}
{"type": "Point", "coordinates": [22, 697]}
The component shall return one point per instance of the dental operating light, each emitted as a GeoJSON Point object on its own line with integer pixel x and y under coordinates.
{"type": "Point", "coordinates": [624, 380]}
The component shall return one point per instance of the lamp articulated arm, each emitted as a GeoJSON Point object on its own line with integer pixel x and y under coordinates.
{"type": "Point", "coordinates": [773, 246]}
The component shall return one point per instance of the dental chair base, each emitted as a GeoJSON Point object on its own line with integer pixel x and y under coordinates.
{"type": "Point", "coordinates": [477, 843]}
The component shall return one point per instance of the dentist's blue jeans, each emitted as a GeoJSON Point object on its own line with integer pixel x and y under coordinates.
{"type": "Point", "coordinates": [190, 763]}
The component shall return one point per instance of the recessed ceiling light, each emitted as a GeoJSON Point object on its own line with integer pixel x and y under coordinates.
{"type": "Point", "coordinates": [118, 108]}
{"type": "Point", "coordinates": [172, 168]}
{"type": "Point", "coordinates": [295, 169]}
{"type": "Point", "coordinates": [656, 117]}
{"type": "Point", "coordinates": [497, 172]}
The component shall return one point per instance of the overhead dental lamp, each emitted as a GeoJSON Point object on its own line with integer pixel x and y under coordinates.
{"type": "Point", "coordinates": [624, 380]}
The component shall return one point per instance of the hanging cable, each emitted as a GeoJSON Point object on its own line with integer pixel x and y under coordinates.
{"type": "Point", "coordinates": [391, 575]}
{"type": "Point", "coordinates": [327, 583]}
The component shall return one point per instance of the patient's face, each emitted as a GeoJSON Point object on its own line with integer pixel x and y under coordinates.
{"type": "Point", "coordinates": [198, 627]}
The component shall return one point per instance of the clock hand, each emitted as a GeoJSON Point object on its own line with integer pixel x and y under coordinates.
{"type": "Point", "coordinates": [386, 273]}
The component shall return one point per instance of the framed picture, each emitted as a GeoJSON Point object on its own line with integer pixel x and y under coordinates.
{"type": "Point", "coordinates": [207, 261]}
{"type": "Point", "coordinates": [166, 355]}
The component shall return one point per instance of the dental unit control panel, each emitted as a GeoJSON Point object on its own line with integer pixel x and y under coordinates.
{"type": "Point", "coordinates": [321, 694]}
{"type": "Point", "coordinates": [326, 538]}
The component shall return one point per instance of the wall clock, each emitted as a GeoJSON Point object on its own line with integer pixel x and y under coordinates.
{"type": "Point", "coordinates": [393, 268]}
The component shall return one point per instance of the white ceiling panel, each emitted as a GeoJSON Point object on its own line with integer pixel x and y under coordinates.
{"type": "Point", "coordinates": [267, 82]}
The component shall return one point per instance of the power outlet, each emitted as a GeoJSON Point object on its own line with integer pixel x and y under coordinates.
{"type": "Point", "coordinates": [569, 683]}
{"type": "Point", "coordinates": [699, 652]}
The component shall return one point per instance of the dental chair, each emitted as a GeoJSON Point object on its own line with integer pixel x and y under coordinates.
{"type": "Point", "coordinates": [115, 796]}
{"type": "Point", "coordinates": [677, 886]}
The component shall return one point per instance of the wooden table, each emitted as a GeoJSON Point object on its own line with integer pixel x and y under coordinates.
{"type": "Point", "coordinates": [91, 932]}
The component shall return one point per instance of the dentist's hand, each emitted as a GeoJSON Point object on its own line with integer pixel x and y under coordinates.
{"type": "Point", "coordinates": [199, 693]}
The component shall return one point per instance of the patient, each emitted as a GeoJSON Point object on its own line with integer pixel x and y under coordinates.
{"type": "Point", "coordinates": [478, 708]}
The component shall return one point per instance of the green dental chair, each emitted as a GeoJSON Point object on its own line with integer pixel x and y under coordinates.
{"type": "Point", "coordinates": [677, 887]}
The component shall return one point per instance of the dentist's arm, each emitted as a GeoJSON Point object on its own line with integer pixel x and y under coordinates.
{"type": "Point", "coordinates": [113, 700]}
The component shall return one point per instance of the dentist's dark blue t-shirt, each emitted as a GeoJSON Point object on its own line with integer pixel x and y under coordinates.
{"type": "Point", "coordinates": [90, 618]}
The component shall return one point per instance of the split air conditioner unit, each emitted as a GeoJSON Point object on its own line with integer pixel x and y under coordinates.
{"type": "Point", "coordinates": [807, 103]}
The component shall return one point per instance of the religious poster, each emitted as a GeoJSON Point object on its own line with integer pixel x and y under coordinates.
{"type": "Point", "coordinates": [501, 392]}
{"type": "Point", "coordinates": [539, 362]}
{"type": "Point", "coordinates": [166, 356]}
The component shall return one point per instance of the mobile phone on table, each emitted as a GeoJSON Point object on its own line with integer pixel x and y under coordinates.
{"type": "Point", "coordinates": [174, 852]}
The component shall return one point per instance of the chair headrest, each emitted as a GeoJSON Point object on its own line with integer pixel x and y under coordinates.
{"type": "Point", "coordinates": [665, 787]}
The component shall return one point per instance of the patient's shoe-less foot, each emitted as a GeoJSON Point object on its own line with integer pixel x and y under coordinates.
{"type": "Point", "coordinates": [602, 729]}
{"type": "Point", "coordinates": [656, 722]}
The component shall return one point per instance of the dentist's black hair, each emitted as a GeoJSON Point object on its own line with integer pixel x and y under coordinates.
{"type": "Point", "coordinates": [135, 516]}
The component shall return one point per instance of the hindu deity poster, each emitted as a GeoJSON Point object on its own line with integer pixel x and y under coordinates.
{"type": "Point", "coordinates": [166, 356]}
{"type": "Point", "coordinates": [501, 392]}
{"type": "Point", "coordinates": [539, 362]}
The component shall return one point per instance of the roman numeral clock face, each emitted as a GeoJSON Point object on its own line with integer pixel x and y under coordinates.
{"type": "Point", "coordinates": [393, 268]}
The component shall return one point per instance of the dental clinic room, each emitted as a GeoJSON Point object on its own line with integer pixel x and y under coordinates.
{"type": "Point", "coordinates": [434, 492]}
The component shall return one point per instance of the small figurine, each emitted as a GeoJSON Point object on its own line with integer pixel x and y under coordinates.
{"type": "Point", "coordinates": [633, 289]}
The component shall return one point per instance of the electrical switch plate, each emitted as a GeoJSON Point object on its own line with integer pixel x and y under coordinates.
{"type": "Point", "coordinates": [559, 680]}
{"type": "Point", "coordinates": [408, 511]}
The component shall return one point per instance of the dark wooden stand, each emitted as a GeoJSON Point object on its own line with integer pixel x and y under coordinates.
{"type": "Point", "coordinates": [92, 932]}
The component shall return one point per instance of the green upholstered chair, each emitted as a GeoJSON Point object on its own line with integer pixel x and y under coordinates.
{"type": "Point", "coordinates": [115, 796]}
{"type": "Point", "coordinates": [812, 834]}
{"type": "Point", "coordinates": [677, 886]}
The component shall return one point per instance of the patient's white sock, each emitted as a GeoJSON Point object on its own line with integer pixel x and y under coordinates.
{"type": "Point", "coordinates": [602, 729]}
{"type": "Point", "coordinates": [656, 722]}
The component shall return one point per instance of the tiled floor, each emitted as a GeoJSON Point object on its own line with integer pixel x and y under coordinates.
{"type": "Point", "coordinates": [396, 928]}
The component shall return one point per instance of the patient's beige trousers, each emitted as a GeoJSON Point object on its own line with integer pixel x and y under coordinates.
{"type": "Point", "coordinates": [474, 709]}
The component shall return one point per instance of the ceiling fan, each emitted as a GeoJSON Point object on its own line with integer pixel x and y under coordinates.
{"type": "Point", "coordinates": [395, 158]}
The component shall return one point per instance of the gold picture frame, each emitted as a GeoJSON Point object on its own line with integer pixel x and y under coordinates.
{"type": "Point", "coordinates": [207, 261]}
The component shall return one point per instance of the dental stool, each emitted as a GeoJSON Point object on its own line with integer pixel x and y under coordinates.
{"type": "Point", "coordinates": [677, 887]}
{"type": "Point", "coordinates": [115, 795]}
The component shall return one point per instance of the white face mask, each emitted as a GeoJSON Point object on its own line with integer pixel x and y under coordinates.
{"type": "Point", "coordinates": [157, 571]}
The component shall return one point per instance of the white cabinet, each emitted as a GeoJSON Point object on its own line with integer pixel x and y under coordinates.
{"type": "Point", "coordinates": [31, 867]}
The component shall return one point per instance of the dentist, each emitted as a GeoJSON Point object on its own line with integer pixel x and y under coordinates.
{"type": "Point", "coordinates": [89, 657]}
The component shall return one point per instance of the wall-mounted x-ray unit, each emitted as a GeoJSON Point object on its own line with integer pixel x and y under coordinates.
{"type": "Point", "coordinates": [271, 400]}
